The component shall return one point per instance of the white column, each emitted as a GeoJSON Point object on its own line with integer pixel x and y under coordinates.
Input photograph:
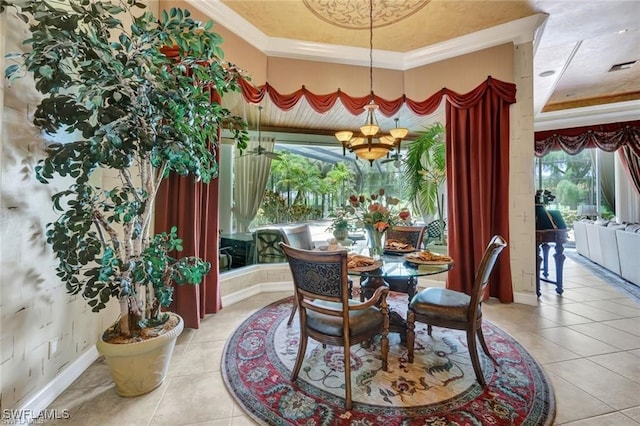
{"type": "Point", "coordinates": [522, 179]}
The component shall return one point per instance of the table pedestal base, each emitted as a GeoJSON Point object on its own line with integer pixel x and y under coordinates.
{"type": "Point", "coordinates": [368, 285]}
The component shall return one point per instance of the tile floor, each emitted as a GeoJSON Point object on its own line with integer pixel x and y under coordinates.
{"type": "Point", "coordinates": [588, 341]}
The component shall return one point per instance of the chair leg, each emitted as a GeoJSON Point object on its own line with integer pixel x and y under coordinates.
{"type": "Point", "coordinates": [429, 329]}
{"type": "Point", "coordinates": [473, 353]}
{"type": "Point", "coordinates": [347, 376]}
{"type": "Point", "coordinates": [301, 351]}
{"type": "Point", "coordinates": [483, 343]}
{"type": "Point", "coordinates": [411, 334]}
{"type": "Point", "coordinates": [293, 312]}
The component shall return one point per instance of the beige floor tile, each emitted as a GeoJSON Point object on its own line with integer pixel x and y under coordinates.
{"type": "Point", "coordinates": [609, 335]}
{"type": "Point", "coordinates": [613, 419]}
{"type": "Point", "coordinates": [576, 342]}
{"type": "Point", "coordinates": [629, 325]}
{"type": "Point", "coordinates": [102, 406]}
{"type": "Point", "coordinates": [589, 294]}
{"type": "Point", "coordinates": [560, 316]}
{"type": "Point", "coordinates": [192, 399]}
{"type": "Point", "coordinates": [623, 363]}
{"type": "Point", "coordinates": [242, 421]}
{"type": "Point", "coordinates": [573, 403]}
{"type": "Point", "coordinates": [543, 350]}
{"type": "Point", "coordinates": [615, 307]}
{"type": "Point", "coordinates": [604, 384]}
{"type": "Point", "coordinates": [633, 413]}
{"type": "Point", "coordinates": [217, 327]}
{"type": "Point", "coordinates": [200, 357]}
{"type": "Point", "coordinates": [590, 312]}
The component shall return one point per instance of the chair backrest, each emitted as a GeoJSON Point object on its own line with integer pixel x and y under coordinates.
{"type": "Point", "coordinates": [319, 275]}
{"type": "Point", "coordinates": [407, 234]}
{"type": "Point", "coordinates": [489, 258]}
{"type": "Point", "coordinates": [299, 237]}
{"type": "Point", "coordinates": [434, 230]}
{"type": "Point", "coordinates": [267, 246]}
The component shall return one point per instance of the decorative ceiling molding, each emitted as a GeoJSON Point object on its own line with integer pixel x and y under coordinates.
{"type": "Point", "coordinates": [350, 14]}
{"type": "Point", "coordinates": [588, 116]}
{"type": "Point", "coordinates": [518, 32]}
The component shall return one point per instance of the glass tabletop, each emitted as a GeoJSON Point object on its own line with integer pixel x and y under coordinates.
{"type": "Point", "coordinates": [394, 266]}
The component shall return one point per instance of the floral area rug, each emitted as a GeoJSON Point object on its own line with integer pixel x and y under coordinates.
{"type": "Point", "coordinates": [438, 389]}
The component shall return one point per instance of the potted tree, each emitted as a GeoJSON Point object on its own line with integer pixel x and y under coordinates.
{"type": "Point", "coordinates": [127, 108]}
{"type": "Point", "coordinates": [425, 172]}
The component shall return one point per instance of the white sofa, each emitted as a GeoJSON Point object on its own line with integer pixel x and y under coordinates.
{"type": "Point", "coordinates": [615, 246]}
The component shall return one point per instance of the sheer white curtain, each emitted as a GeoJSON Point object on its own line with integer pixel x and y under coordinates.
{"type": "Point", "coordinates": [250, 180]}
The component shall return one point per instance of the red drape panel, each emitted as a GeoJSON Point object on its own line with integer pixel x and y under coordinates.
{"type": "Point", "coordinates": [477, 146]}
{"type": "Point", "coordinates": [631, 162]}
{"type": "Point", "coordinates": [192, 207]}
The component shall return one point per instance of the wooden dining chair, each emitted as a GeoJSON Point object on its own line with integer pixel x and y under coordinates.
{"type": "Point", "coordinates": [298, 237]}
{"type": "Point", "coordinates": [326, 312]}
{"type": "Point", "coordinates": [267, 249]}
{"type": "Point", "coordinates": [409, 235]}
{"type": "Point", "coordinates": [446, 308]}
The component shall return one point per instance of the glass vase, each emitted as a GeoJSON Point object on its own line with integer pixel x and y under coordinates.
{"type": "Point", "coordinates": [375, 241]}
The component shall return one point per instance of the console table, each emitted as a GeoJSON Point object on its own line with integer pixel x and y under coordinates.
{"type": "Point", "coordinates": [558, 237]}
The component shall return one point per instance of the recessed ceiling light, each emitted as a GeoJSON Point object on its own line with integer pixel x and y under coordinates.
{"type": "Point", "coordinates": [568, 95]}
{"type": "Point", "coordinates": [623, 31]}
{"type": "Point", "coordinates": [547, 73]}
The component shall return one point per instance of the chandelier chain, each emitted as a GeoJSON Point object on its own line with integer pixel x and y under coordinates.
{"type": "Point", "coordinates": [371, 48]}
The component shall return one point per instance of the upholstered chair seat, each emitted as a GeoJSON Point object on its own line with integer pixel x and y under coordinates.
{"type": "Point", "coordinates": [441, 303]}
{"type": "Point", "coordinates": [359, 321]}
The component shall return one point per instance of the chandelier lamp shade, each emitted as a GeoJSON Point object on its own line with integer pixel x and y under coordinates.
{"type": "Point", "coordinates": [369, 144]}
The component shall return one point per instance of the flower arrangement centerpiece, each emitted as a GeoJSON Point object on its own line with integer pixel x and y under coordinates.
{"type": "Point", "coordinates": [376, 213]}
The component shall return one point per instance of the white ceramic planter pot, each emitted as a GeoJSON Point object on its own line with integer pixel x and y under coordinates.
{"type": "Point", "coordinates": [138, 368]}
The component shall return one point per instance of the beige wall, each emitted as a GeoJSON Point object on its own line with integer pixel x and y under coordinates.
{"type": "Point", "coordinates": [36, 312]}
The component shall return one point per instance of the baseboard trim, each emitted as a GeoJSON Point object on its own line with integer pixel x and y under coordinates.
{"type": "Point", "coordinates": [525, 298]}
{"type": "Point", "coordinates": [245, 293]}
{"type": "Point", "coordinates": [37, 403]}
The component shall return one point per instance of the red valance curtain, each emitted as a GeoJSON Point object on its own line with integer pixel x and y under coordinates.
{"type": "Point", "coordinates": [477, 166]}
{"type": "Point", "coordinates": [608, 137]}
{"type": "Point", "coordinates": [477, 146]}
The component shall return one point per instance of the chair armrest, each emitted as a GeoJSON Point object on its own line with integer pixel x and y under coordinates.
{"type": "Point", "coordinates": [378, 297]}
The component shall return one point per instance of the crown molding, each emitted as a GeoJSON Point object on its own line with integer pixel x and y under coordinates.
{"type": "Point", "coordinates": [588, 116]}
{"type": "Point", "coordinates": [518, 32]}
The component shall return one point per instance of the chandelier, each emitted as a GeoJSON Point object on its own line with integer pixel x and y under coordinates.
{"type": "Point", "coordinates": [364, 145]}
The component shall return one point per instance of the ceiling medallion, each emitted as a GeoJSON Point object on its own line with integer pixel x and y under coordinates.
{"type": "Point", "coordinates": [351, 15]}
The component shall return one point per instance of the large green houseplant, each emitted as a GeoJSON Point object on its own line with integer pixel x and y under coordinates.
{"type": "Point", "coordinates": [425, 171]}
{"type": "Point", "coordinates": [129, 109]}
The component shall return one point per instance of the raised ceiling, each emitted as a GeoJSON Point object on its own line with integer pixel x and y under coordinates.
{"type": "Point", "coordinates": [576, 44]}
